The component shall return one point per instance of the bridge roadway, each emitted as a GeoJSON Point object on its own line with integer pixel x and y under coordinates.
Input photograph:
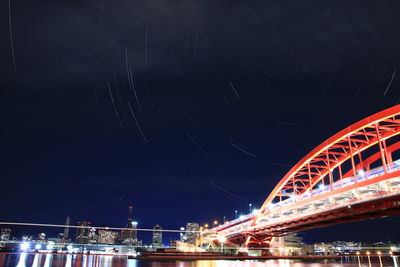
{"type": "Point", "coordinates": [368, 195]}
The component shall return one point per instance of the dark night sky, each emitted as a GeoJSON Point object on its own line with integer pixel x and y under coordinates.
{"type": "Point", "coordinates": [232, 95]}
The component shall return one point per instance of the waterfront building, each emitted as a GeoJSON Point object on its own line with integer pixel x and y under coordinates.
{"type": "Point", "coordinates": [192, 233]}
{"type": "Point", "coordinates": [157, 236]}
{"type": "Point", "coordinates": [129, 236]}
{"type": "Point", "coordinates": [42, 237]}
{"type": "Point", "coordinates": [26, 238]}
{"type": "Point", "coordinates": [92, 237]}
{"type": "Point", "coordinates": [5, 234]}
{"type": "Point", "coordinates": [289, 245]}
{"type": "Point", "coordinates": [172, 243]}
{"type": "Point", "coordinates": [66, 229]}
{"type": "Point", "coordinates": [107, 237]}
{"type": "Point", "coordinates": [324, 249]}
{"type": "Point", "coordinates": [82, 232]}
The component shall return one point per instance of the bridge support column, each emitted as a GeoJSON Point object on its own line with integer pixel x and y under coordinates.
{"type": "Point", "coordinates": [258, 241]}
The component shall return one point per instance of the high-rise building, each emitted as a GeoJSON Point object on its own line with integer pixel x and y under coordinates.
{"type": "Point", "coordinates": [5, 234]}
{"type": "Point", "coordinates": [82, 233]}
{"type": "Point", "coordinates": [66, 229]}
{"type": "Point", "coordinates": [107, 237]}
{"type": "Point", "coordinates": [130, 213]}
{"type": "Point", "coordinates": [92, 236]}
{"type": "Point", "coordinates": [192, 233]}
{"type": "Point", "coordinates": [157, 236]}
{"type": "Point", "coordinates": [130, 236]}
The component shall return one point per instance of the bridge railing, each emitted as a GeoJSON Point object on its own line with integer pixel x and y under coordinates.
{"type": "Point", "coordinates": [361, 176]}
{"type": "Point", "coordinates": [345, 198]}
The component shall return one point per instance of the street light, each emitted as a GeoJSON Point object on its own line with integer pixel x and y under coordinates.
{"type": "Point", "coordinates": [369, 259]}
{"type": "Point", "coordinates": [380, 259]}
{"type": "Point", "coordinates": [358, 257]}
{"type": "Point", "coordinates": [236, 214]}
{"type": "Point", "coordinates": [215, 223]}
{"type": "Point", "coordinates": [250, 208]}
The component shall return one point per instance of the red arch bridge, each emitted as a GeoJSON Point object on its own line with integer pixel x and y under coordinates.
{"type": "Point", "coordinates": [352, 176]}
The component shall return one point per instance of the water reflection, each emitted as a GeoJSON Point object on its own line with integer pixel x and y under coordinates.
{"type": "Point", "coordinates": [132, 263]}
{"type": "Point", "coordinates": [39, 260]}
{"type": "Point", "coordinates": [47, 262]}
{"type": "Point", "coordinates": [36, 260]}
{"type": "Point", "coordinates": [22, 259]}
{"type": "Point", "coordinates": [68, 263]}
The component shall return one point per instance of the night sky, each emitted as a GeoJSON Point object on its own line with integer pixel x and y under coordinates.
{"type": "Point", "coordinates": [186, 110]}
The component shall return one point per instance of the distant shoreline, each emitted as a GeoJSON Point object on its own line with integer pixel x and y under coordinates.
{"type": "Point", "coordinates": [205, 257]}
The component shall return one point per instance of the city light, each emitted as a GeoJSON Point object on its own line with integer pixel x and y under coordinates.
{"type": "Point", "coordinates": [38, 246]}
{"type": "Point", "coordinates": [222, 239]}
{"type": "Point", "coordinates": [50, 246]}
{"type": "Point", "coordinates": [24, 246]}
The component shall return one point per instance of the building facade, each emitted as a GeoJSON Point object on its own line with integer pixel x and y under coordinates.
{"type": "Point", "coordinates": [192, 233]}
{"type": "Point", "coordinates": [82, 233]}
{"type": "Point", "coordinates": [107, 237]}
{"type": "Point", "coordinates": [157, 236]}
{"type": "Point", "coordinates": [5, 234]}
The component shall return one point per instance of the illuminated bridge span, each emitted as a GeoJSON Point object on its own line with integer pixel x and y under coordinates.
{"type": "Point", "coordinates": [352, 176]}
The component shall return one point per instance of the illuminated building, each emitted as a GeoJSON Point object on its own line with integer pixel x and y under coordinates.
{"type": "Point", "coordinates": [92, 237]}
{"type": "Point", "coordinates": [129, 237]}
{"type": "Point", "coordinates": [107, 237]}
{"type": "Point", "coordinates": [289, 245]}
{"type": "Point", "coordinates": [82, 233]}
{"type": "Point", "coordinates": [66, 229]}
{"type": "Point", "coordinates": [5, 234]}
{"type": "Point", "coordinates": [192, 233]}
{"type": "Point", "coordinates": [26, 238]}
{"type": "Point", "coordinates": [42, 237]}
{"type": "Point", "coordinates": [172, 243]}
{"type": "Point", "coordinates": [157, 236]}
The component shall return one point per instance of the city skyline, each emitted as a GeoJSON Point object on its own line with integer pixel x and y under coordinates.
{"type": "Point", "coordinates": [189, 113]}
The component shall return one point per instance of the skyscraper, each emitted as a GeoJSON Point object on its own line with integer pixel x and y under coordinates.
{"type": "Point", "coordinates": [130, 236]}
{"type": "Point", "coordinates": [66, 229]}
{"type": "Point", "coordinates": [82, 233]}
{"type": "Point", "coordinates": [192, 233]}
{"type": "Point", "coordinates": [157, 236]}
{"type": "Point", "coordinates": [130, 212]}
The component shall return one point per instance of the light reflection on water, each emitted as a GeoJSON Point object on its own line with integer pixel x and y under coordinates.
{"type": "Point", "coordinates": [38, 260]}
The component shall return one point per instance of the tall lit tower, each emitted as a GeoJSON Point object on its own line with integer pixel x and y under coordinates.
{"type": "Point", "coordinates": [157, 236]}
{"type": "Point", "coordinates": [130, 236]}
{"type": "Point", "coordinates": [66, 229]}
{"type": "Point", "coordinates": [130, 208]}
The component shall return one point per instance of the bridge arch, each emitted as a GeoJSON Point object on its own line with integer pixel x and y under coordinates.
{"type": "Point", "coordinates": [345, 147]}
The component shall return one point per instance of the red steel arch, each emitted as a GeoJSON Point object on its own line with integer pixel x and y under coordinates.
{"type": "Point", "coordinates": [347, 145]}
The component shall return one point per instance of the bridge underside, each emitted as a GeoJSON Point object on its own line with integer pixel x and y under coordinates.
{"type": "Point", "coordinates": [378, 208]}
